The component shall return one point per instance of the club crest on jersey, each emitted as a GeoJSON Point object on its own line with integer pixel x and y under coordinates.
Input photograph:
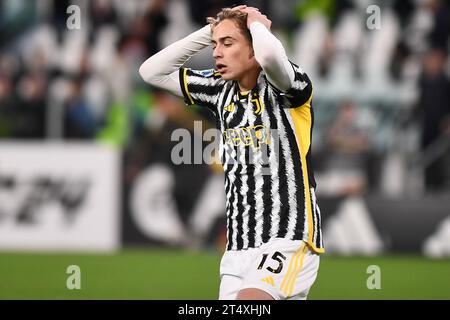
{"type": "Point", "coordinates": [256, 105]}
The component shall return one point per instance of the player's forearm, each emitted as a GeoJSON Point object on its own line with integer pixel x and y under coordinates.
{"type": "Point", "coordinates": [270, 54]}
{"type": "Point", "coordinates": [161, 69]}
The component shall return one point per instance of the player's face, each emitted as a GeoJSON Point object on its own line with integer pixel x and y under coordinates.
{"type": "Point", "coordinates": [233, 53]}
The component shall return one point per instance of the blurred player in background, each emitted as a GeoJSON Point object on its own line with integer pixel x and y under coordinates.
{"type": "Point", "coordinates": [262, 103]}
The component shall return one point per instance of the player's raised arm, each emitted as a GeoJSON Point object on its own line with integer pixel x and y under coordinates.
{"type": "Point", "coordinates": [269, 52]}
{"type": "Point", "coordinates": [161, 69]}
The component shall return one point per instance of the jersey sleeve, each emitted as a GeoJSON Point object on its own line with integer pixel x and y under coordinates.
{"type": "Point", "coordinates": [201, 87]}
{"type": "Point", "coordinates": [301, 90]}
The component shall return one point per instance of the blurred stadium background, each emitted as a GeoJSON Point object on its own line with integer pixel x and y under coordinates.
{"type": "Point", "coordinates": [86, 176]}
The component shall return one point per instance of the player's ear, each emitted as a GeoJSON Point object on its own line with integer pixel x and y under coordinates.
{"type": "Point", "coordinates": [252, 52]}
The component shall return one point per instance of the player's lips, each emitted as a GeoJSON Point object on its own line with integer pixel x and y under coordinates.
{"type": "Point", "coordinates": [221, 67]}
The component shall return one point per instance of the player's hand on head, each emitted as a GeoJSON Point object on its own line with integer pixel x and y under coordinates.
{"type": "Point", "coordinates": [237, 8]}
{"type": "Point", "coordinates": [253, 15]}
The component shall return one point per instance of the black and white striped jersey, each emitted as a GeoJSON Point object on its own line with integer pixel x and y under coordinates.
{"type": "Point", "coordinates": [266, 155]}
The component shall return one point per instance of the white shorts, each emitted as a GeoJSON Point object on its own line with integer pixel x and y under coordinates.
{"type": "Point", "coordinates": [285, 269]}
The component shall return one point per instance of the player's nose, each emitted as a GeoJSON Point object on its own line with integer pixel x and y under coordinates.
{"type": "Point", "coordinates": [217, 52]}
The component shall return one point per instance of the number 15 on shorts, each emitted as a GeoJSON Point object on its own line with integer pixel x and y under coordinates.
{"type": "Point", "coordinates": [275, 264]}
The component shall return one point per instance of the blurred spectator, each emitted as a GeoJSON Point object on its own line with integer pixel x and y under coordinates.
{"type": "Point", "coordinates": [142, 36]}
{"type": "Point", "coordinates": [346, 148]}
{"type": "Point", "coordinates": [400, 55]}
{"type": "Point", "coordinates": [281, 14]}
{"type": "Point", "coordinates": [404, 10]}
{"type": "Point", "coordinates": [58, 17]}
{"type": "Point", "coordinates": [30, 110]}
{"type": "Point", "coordinates": [156, 20]}
{"type": "Point", "coordinates": [440, 32]}
{"type": "Point", "coordinates": [200, 9]}
{"type": "Point", "coordinates": [7, 104]}
{"type": "Point", "coordinates": [333, 10]}
{"type": "Point", "coordinates": [102, 13]}
{"type": "Point", "coordinates": [79, 122]}
{"type": "Point", "coordinates": [15, 18]}
{"type": "Point", "coordinates": [434, 104]}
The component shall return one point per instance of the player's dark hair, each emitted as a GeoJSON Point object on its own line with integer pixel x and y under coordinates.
{"type": "Point", "coordinates": [239, 18]}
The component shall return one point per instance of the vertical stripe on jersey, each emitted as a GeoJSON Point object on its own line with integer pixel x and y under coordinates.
{"type": "Point", "coordinates": [256, 168]}
{"type": "Point", "coordinates": [251, 202]}
{"type": "Point", "coordinates": [282, 178]}
{"type": "Point", "coordinates": [296, 217]}
{"type": "Point", "coordinates": [276, 170]}
{"type": "Point", "coordinates": [259, 204]}
{"type": "Point", "coordinates": [251, 211]}
{"type": "Point", "coordinates": [268, 200]}
{"type": "Point", "coordinates": [231, 199]}
{"type": "Point", "coordinates": [248, 174]}
{"type": "Point", "coordinates": [319, 227]}
{"type": "Point", "coordinates": [230, 227]}
{"type": "Point", "coordinates": [314, 215]}
{"type": "Point", "coordinates": [241, 167]}
{"type": "Point", "coordinates": [234, 213]}
{"type": "Point", "coordinates": [245, 218]}
{"type": "Point", "coordinates": [300, 228]}
{"type": "Point", "coordinates": [239, 209]}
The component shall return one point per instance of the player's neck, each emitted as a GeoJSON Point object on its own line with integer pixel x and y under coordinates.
{"type": "Point", "coordinates": [249, 80]}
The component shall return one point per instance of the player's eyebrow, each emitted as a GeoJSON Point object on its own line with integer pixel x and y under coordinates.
{"type": "Point", "coordinates": [223, 39]}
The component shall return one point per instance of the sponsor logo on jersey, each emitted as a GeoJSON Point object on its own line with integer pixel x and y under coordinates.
{"type": "Point", "coordinates": [253, 136]}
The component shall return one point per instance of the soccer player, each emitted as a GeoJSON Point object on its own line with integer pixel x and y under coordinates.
{"type": "Point", "coordinates": [262, 105]}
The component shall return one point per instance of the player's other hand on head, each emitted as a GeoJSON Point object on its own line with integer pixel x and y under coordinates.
{"type": "Point", "coordinates": [253, 15]}
{"type": "Point", "coordinates": [237, 8]}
